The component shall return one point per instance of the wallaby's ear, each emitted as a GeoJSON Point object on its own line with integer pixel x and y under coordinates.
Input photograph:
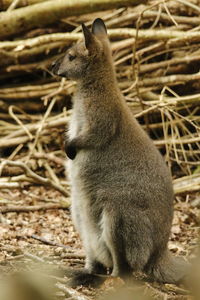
{"type": "Point", "coordinates": [89, 38]}
{"type": "Point", "coordinates": [99, 28]}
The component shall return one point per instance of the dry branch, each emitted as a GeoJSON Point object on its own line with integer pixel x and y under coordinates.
{"type": "Point", "coordinates": [58, 161]}
{"type": "Point", "coordinates": [173, 36]}
{"type": "Point", "coordinates": [34, 176]}
{"type": "Point", "coordinates": [177, 141]}
{"type": "Point", "coordinates": [4, 4]}
{"type": "Point", "coordinates": [18, 136]}
{"type": "Point", "coordinates": [44, 207]}
{"type": "Point", "coordinates": [14, 141]}
{"type": "Point", "coordinates": [151, 15]}
{"type": "Point", "coordinates": [47, 12]}
{"type": "Point", "coordinates": [187, 184]}
{"type": "Point", "coordinates": [10, 185]}
{"type": "Point", "coordinates": [47, 242]}
{"type": "Point", "coordinates": [169, 80]}
{"type": "Point", "coordinates": [165, 64]}
{"type": "Point", "coordinates": [35, 90]}
{"type": "Point", "coordinates": [69, 292]}
{"type": "Point", "coordinates": [34, 257]}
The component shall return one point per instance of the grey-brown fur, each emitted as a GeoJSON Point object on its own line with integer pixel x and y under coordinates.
{"type": "Point", "coordinates": [122, 196]}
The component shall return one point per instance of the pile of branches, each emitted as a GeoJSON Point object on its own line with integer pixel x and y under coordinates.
{"type": "Point", "coordinates": [156, 48]}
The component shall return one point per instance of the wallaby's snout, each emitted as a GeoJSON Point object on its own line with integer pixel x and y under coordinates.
{"type": "Point", "coordinates": [55, 67]}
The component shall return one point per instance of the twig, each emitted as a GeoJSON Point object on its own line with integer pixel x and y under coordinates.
{"type": "Point", "coordinates": [31, 174]}
{"type": "Point", "coordinates": [175, 141]}
{"type": "Point", "coordinates": [73, 256]}
{"type": "Point", "coordinates": [10, 110]}
{"type": "Point", "coordinates": [14, 141]}
{"type": "Point", "coordinates": [47, 242]}
{"type": "Point", "coordinates": [166, 63]}
{"type": "Point", "coordinates": [16, 257]}
{"type": "Point", "coordinates": [13, 5]}
{"type": "Point", "coordinates": [7, 3]}
{"type": "Point", "coordinates": [151, 14]}
{"type": "Point", "coordinates": [34, 257]}
{"type": "Point", "coordinates": [59, 122]}
{"type": "Point", "coordinates": [169, 14]}
{"type": "Point", "coordinates": [50, 157]}
{"type": "Point", "coordinates": [171, 79]}
{"type": "Point", "coordinates": [124, 33]}
{"type": "Point", "coordinates": [71, 292]}
{"type": "Point", "coordinates": [39, 130]}
{"type": "Point", "coordinates": [33, 208]}
{"type": "Point", "coordinates": [49, 12]}
{"type": "Point", "coordinates": [187, 184]}
{"type": "Point", "coordinates": [192, 5]}
{"type": "Point", "coordinates": [10, 185]}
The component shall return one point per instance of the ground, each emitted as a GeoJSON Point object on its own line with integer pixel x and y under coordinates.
{"type": "Point", "coordinates": [49, 237]}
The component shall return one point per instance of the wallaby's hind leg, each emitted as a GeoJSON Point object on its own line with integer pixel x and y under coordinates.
{"type": "Point", "coordinates": [129, 246]}
{"type": "Point", "coordinates": [92, 265]}
{"type": "Point", "coordinates": [114, 241]}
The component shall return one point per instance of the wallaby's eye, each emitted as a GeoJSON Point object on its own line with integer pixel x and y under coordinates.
{"type": "Point", "coordinates": [71, 57]}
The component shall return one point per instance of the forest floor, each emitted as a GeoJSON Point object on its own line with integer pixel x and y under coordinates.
{"type": "Point", "coordinates": [48, 237]}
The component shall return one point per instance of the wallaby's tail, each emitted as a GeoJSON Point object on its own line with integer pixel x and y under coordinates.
{"type": "Point", "coordinates": [169, 269]}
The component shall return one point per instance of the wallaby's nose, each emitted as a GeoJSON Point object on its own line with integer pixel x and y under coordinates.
{"type": "Point", "coordinates": [57, 68]}
{"type": "Point", "coordinates": [61, 73]}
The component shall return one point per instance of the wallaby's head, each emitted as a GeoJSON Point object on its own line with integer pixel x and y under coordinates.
{"type": "Point", "coordinates": [87, 57]}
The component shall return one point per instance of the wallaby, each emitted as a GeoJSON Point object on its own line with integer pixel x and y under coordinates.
{"type": "Point", "coordinates": [122, 195]}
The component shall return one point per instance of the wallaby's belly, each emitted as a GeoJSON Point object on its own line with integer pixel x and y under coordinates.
{"type": "Point", "coordinates": [89, 228]}
{"type": "Point", "coordinates": [114, 177]}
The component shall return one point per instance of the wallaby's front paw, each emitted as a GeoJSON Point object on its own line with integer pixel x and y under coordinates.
{"type": "Point", "coordinates": [70, 150]}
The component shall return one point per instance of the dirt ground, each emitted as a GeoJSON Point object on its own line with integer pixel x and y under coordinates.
{"type": "Point", "coordinates": [48, 237]}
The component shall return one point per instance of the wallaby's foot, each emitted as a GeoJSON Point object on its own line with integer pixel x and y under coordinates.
{"type": "Point", "coordinates": [125, 273]}
{"type": "Point", "coordinates": [86, 279]}
{"type": "Point", "coordinates": [83, 277]}
{"type": "Point", "coordinates": [123, 270]}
